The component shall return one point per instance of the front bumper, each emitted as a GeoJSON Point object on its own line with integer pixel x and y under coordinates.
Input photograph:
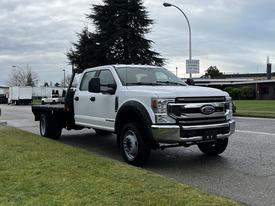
{"type": "Point", "coordinates": [170, 134]}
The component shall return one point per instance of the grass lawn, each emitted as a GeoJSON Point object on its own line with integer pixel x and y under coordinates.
{"type": "Point", "coordinates": [256, 108]}
{"type": "Point", "coordinates": [37, 171]}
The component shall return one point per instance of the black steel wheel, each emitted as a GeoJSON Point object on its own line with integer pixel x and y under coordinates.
{"type": "Point", "coordinates": [49, 127]}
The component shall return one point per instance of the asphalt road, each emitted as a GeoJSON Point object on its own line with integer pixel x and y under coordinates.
{"type": "Point", "coordinates": [245, 172]}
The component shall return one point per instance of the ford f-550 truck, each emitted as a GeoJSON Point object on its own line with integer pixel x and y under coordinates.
{"type": "Point", "coordinates": [147, 107]}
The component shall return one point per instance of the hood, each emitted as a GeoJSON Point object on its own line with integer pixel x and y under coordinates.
{"type": "Point", "coordinates": [178, 91]}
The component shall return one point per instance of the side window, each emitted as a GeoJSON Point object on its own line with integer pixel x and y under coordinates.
{"type": "Point", "coordinates": [86, 79]}
{"type": "Point", "coordinates": [106, 77]}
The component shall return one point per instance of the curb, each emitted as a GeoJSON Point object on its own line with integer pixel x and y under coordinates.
{"type": "Point", "coordinates": [3, 123]}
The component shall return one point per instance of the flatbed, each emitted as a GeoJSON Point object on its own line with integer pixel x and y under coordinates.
{"type": "Point", "coordinates": [62, 113]}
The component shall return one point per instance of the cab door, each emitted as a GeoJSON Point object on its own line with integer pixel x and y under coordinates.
{"type": "Point", "coordinates": [103, 111]}
{"type": "Point", "coordinates": [82, 100]}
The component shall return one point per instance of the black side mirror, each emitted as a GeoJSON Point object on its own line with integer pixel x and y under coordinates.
{"type": "Point", "coordinates": [94, 85]}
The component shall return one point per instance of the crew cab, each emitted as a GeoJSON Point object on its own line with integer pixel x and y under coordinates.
{"type": "Point", "coordinates": [147, 107]}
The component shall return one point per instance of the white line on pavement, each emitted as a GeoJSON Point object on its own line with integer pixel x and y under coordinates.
{"type": "Point", "coordinates": [251, 132]}
{"type": "Point", "coordinates": [255, 118]}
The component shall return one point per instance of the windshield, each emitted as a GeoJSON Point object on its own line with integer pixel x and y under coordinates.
{"type": "Point", "coordinates": [155, 76]}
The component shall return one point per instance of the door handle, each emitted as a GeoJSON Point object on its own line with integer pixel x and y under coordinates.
{"type": "Point", "coordinates": [76, 98]}
{"type": "Point", "coordinates": [92, 99]}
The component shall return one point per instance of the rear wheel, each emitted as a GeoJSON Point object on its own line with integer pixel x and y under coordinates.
{"type": "Point", "coordinates": [214, 148]}
{"type": "Point", "coordinates": [134, 147]}
{"type": "Point", "coordinates": [49, 127]}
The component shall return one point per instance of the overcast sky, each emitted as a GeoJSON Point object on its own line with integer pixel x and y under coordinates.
{"type": "Point", "coordinates": [234, 35]}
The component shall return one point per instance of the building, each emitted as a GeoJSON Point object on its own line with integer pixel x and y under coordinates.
{"type": "Point", "coordinates": [264, 89]}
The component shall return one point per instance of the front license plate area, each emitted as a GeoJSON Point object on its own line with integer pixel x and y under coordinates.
{"type": "Point", "coordinates": [209, 135]}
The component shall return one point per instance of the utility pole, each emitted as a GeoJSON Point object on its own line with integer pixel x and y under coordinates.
{"type": "Point", "coordinates": [64, 78]}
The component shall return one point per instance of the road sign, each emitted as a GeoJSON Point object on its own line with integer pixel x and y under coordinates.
{"type": "Point", "coordinates": [193, 66]}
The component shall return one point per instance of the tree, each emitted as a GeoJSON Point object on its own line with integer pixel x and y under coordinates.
{"type": "Point", "coordinates": [121, 26]}
{"type": "Point", "coordinates": [213, 73]}
{"type": "Point", "coordinates": [22, 77]}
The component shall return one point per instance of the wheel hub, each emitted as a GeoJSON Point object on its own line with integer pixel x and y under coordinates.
{"type": "Point", "coordinates": [130, 145]}
{"type": "Point", "coordinates": [43, 126]}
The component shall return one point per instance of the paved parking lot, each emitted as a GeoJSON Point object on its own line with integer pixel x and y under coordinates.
{"type": "Point", "coordinates": [245, 172]}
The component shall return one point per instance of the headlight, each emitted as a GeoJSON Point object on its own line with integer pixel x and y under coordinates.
{"type": "Point", "coordinates": [228, 107]}
{"type": "Point", "coordinates": [159, 107]}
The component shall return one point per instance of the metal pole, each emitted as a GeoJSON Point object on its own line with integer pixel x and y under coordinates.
{"type": "Point", "coordinates": [189, 27]}
{"type": "Point", "coordinates": [64, 78]}
{"type": "Point", "coordinates": [190, 34]}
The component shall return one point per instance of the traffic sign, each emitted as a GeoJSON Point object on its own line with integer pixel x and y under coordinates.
{"type": "Point", "coordinates": [193, 66]}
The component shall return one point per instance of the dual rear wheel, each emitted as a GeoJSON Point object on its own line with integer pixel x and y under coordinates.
{"type": "Point", "coordinates": [49, 127]}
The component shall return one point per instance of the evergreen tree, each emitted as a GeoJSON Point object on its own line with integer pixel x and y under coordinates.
{"type": "Point", "coordinates": [121, 26]}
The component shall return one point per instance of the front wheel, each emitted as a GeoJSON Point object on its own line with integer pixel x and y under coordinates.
{"type": "Point", "coordinates": [49, 127]}
{"type": "Point", "coordinates": [134, 147]}
{"type": "Point", "coordinates": [214, 148]}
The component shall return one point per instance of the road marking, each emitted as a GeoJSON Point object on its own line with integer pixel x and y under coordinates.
{"type": "Point", "coordinates": [251, 132]}
{"type": "Point", "coordinates": [255, 118]}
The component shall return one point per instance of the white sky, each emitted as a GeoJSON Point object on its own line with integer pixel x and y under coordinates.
{"type": "Point", "coordinates": [234, 35]}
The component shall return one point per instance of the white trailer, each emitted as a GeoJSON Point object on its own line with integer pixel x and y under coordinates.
{"type": "Point", "coordinates": [44, 92]}
{"type": "Point", "coordinates": [20, 95]}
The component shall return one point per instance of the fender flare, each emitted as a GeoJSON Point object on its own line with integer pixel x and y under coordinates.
{"type": "Point", "coordinates": [138, 109]}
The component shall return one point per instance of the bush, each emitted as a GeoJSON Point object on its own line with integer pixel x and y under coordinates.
{"type": "Point", "coordinates": [242, 93]}
{"type": "Point", "coordinates": [248, 93]}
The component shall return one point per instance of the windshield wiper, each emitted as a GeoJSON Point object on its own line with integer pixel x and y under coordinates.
{"type": "Point", "coordinates": [169, 82]}
{"type": "Point", "coordinates": [142, 83]}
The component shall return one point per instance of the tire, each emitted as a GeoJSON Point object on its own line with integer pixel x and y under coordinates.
{"type": "Point", "coordinates": [132, 134]}
{"type": "Point", "coordinates": [49, 127]}
{"type": "Point", "coordinates": [102, 132]}
{"type": "Point", "coordinates": [214, 148]}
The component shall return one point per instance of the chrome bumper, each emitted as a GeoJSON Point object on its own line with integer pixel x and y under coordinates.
{"type": "Point", "coordinates": [172, 133]}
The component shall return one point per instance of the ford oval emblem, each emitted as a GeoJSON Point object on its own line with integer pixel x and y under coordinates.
{"type": "Point", "coordinates": [208, 109]}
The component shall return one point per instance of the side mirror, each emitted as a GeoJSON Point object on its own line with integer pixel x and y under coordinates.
{"type": "Point", "coordinates": [190, 82]}
{"type": "Point", "coordinates": [94, 85]}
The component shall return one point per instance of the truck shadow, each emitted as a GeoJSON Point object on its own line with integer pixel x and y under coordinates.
{"type": "Point", "coordinates": [181, 159]}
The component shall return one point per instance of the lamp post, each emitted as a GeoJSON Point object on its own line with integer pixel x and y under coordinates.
{"type": "Point", "coordinates": [64, 77]}
{"type": "Point", "coordinates": [189, 26]}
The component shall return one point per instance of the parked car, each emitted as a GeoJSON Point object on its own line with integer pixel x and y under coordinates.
{"type": "Point", "coordinates": [52, 100]}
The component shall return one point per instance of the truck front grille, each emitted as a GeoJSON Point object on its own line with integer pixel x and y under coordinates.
{"type": "Point", "coordinates": [188, 111]}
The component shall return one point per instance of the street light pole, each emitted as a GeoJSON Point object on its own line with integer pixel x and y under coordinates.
{"type": "Point", "coordinates": [189, 27]}
{"type": "Point", "coordinates": [64, 77]}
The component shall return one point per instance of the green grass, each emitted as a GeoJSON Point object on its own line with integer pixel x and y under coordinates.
{"type": "Point", "coordinates": [36, 102]}
{"type": "Point", "coordinates": [37, 171]}
{"type": "Point", "coordinates": [256, 108]}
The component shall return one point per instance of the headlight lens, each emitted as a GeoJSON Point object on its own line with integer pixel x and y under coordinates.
{"type": "Point", "coordinates": [159, 107]}
{"type": "Point", "coordinates": [228, 107]}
